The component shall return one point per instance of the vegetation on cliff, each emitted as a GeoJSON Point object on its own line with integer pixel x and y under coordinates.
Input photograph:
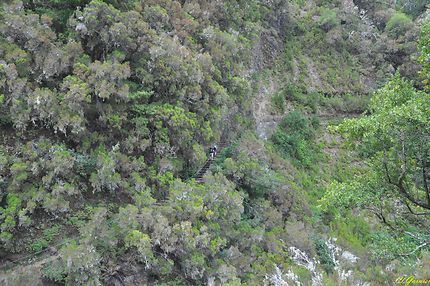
{"type": "Point", "coordinates": [107, 109]}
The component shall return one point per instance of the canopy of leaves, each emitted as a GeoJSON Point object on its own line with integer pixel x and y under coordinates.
{"type": "Point", "coordinates": [398, 23]}
{"type": "Point", "coordinates": [295, 138]}
{"type": "Point", "coordinates": [394, 142]}
{"type": "Point", "coordinates": [107, 108]}
{"type": "Point", "coordinates": [424, 59]}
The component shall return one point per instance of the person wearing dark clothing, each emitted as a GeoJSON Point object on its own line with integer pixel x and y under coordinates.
{"type": "Point", "coordinates": [211, 153]}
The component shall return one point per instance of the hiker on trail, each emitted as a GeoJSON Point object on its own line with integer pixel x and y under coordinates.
{"type": "Point", "coordinates": [211, 153]}
{"type": "Point", "coordinates": [215, 150]}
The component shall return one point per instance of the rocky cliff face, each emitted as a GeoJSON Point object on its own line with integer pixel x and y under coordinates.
{"type": "Point", "coordinates": [344, 263]}
{"type": "Point", "coordinates": [337, 49]}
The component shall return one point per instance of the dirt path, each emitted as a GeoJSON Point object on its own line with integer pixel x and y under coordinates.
{"type": "Point", "coordinates": [27, 273]}
{"type": "Point", "coordinates": [265, 119]}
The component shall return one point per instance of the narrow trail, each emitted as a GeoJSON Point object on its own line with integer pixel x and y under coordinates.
{"type": "Point", "coordinates": [32, 262]}
{"type": "Point", "coordinates": [28, 270]}
{"type": "Point", "coordinates": [200, 174]}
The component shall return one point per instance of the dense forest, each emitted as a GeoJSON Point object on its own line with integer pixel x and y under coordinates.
{"type": "Point", "coordinates": [320, 109]}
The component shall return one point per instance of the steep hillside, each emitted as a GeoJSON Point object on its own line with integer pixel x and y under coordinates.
{"type": "Point", "coordinates": [330, 56]}
{"type": "Point", "coordinates": [108, 109]}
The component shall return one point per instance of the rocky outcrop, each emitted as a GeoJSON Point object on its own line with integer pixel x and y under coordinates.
{"type": "Point", "coordinates": [344, 264]}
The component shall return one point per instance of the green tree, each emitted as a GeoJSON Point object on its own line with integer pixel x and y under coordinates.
{"type": "Point", "coordinates": [328, 19]}
{"type": "Point", "coordinates": [82, 265]}
{"type": "Point", "coordinates": [398, 24]}
{"type": "Point", "coordinates": [393, 184]}
{"type": "Point", "coordinates": [395, 138]}
{"type": "Point", "coordinates": [424, 59]}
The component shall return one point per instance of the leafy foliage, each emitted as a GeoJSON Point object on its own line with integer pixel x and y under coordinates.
{"type": "Point", "coordinates": [413, 8]}
{"type": "Point", "coordinates": [324, 254]}
{"type": "Point", "coordinates": [328, 19]}
{"type": "Point", "coordinates": [424, 59]}
{"type": "Point", "coordinates": [295, 138]}
{"type": "Point", "coordinates": [107, 108]}
{"type": "Point", "coordinates": [398, 24]}
{"type": "Point", "coordinates": [393, 139]}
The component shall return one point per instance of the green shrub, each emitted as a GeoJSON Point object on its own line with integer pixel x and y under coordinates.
{"type": "Point", "coordinates": [48, 235]}
{"type": "Point", "coordinates": [307, 99]}
{"type": "Point", "coordinates": [294, 93]}
{"type": "Point", "coordinates": [398, 24]}
{"type": "Point", "coordinates": [278, 102]}
{"type": "Point", "coordinates": [51, 232]}
{"type": "Point", "coordinates": [352, 231]}
{"type": "Point", "coordinates": [303, 273]}
{"type": "Point", "coordinates": [312, 101]}
{"type": "Point", "coordinates": [324, 255]}
{"type": "Point", "coordinates": [8, 216]}
{"type": "Point", "coordinates": [328, 19]}
{"type": "Point", "coordinates": [295, 138]}
{"type": "Point", "coordinates": [75, 221]}
{"type": "Point", "coordinates": [39, 244]}
{"type": "Point", "coordinates": [54, 271]}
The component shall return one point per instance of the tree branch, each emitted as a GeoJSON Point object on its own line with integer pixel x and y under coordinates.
{"type": "Point", "coordinates": [412, 212]}
{"type": "Point", "coordinates": [409, 197]}
{"type": "Point", "coordinates": [384, 163]}
{"type": "Point", "coordinates": [416, 249]}
{"type": "Point", "coordinates": [425, 183]}
{"type": "Point", "coordinates": [381, 217]}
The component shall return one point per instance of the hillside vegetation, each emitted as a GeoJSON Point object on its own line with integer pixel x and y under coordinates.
{"type": "Point", "coordinates": [108, 108]}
